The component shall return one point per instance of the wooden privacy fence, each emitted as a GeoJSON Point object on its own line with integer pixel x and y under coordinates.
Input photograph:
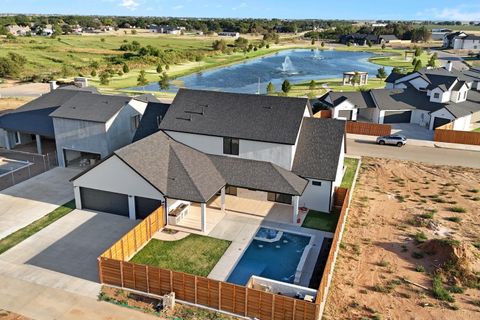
{"type": "Point", "coordinates": [211, 293]}
{"type": "Point", "coordinates": [323, 114]}
{"type": "Point", "coordinates": [131, 242]}
{"type": "Point", "coordinates": [370, 129]}
{"type": "Point", "coordinates": [454, 136]}
{"type": "Point", "coordinates": [340, 200]}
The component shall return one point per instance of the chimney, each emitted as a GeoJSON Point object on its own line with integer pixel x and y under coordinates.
{"type": "Point", "coordinates": [449, 66]}
{"type": "Point", "coordinates": [81, 82]}
{"type": "Point", "coordinates": [53, 85]}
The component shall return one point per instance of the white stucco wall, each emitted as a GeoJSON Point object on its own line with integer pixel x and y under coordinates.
{"type": "Point", "coordinates": [466, 44]}
{"type": "Point", "coordinates": [345, 105]}
{"type": "Point", "coordinates": [442, 96]}
{"type": "Point", "coordinates": [279, 154]}
{"type": "Point", "coordinates": [114, 175]}
{"type": "Point", "coordinates": [317, 197]}
{"type": "Point", "coordinates": [340, 167]}
{"type": "Point", "coordinates": [420, 117]}
{"type": "Point", "coordinates": [463, 123]}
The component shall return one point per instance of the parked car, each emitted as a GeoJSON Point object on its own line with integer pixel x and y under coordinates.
{"type": "Point", "coordinates": [393, 139]}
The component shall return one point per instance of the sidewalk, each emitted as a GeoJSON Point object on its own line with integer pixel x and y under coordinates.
{"type": "Point", "coordinates": [40, 302]}
{"type": "Point", "coordinates": [420, 143]}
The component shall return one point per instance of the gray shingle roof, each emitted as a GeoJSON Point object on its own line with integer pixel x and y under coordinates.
{"type": "Point", "coordinates": [393, 76]}
{"type": "Point", "coordinates": [151, 119]}
{"type": "Point", "coordinates": [318, 149]}
{"type": "Point", "coordinates": [388, 37]}
{"type": "Point", "coordinates": [394, 99]}
{"type": "Point", "coordinates": [91, 107]}
{"type": "Point", "coordinates": [361, 99]}
{"type": "Point", "coordinates": [176, 170]}
{"type": "Point", "coordinates": [244, 116]}
{"type": "Point", "coordinates": [259, 175]}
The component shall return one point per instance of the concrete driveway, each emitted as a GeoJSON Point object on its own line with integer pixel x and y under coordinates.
{"type": "Point", "coordinates": [30, 200]}
{"type": "Point", "coordinates": [64, 254]}
{"type": "Point", "coordinates": [412, 131]}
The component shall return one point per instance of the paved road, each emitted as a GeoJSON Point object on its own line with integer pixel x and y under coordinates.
{"type": "Point", "coordinates": [431, 155]}
{"type": "Point", "coordinates": [444, 57]}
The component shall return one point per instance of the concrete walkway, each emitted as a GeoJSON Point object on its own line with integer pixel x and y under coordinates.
{"type": "Point", "coordinates": [39, 302]}
{"type": "Point", "coordinates": [30, 200]}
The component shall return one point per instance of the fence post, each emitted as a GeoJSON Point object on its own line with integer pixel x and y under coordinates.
{"type": "Point", "coordinates": [100, 276]}
{"type": "Point", "coordinates": [48, 160]}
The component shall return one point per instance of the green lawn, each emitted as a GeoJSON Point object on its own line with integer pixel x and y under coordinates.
{"type": "Point", "coordinates": [328, 221]}
{"type": "Point", "coordinates": [476, 130]}
{"type": "Point", "coordinates": [194, 254]}
{"type": "Point", "coordinates": [22, 234]}
{"type": "Point", "coordinates": [302, 89]}
{"type": "Point", "coordinates": [351, 165]}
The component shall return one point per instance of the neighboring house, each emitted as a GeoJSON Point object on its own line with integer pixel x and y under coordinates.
{"type": "Point", "coordinates": [360, 39]}
{"type": "Point", "coordinates": [213, 143]}
{"type": "Point", "coordinates": [389, 39]}
{"type": "Point", "coordinates": [167, 29]}
{"type": "Point", "coordinates": [429, 98]}
{"type": "Point", "coordinates": [229, 34]}
{"type": "Point", "coordinates": [439, 34]}
{"type": "Point", "coordinates": [84, 126]}
{"type": "Point", "coordinates": [17, 30]}
{"type": "Point", "coordinates": [461, 41]}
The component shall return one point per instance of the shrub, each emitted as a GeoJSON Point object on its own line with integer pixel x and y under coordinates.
{"type": "Point", "coordinates": [454, 219]}
{"type": "Point", "coordinates": [439, 291]}
{"type": "Point", "coordinates": [458, 209]}
{"type": "Point", "coordinates": [383, 263]}
{"type": "Point", "coordinates": [456, 289]}
{"type": "Point", "coordinates": [419, 268]}
{"type": "Point", "coordinates": [420, 237]}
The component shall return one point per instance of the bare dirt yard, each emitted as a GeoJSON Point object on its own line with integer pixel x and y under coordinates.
{"type": "Point", "coordinates": [410, 248]}
{"type": "Point", "coordinates": [7, 104]}
{"type": "Point", "coordinates": [7, 315]}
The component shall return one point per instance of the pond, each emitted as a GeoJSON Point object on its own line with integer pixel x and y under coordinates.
{"type": "Point", "coordinates": [298, 65]}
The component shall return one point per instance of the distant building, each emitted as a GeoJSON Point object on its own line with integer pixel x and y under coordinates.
{"type": "Point", "coordinates": [461, 41]}
{"type": "Point", "coordinates": [439, 34]}
{"type": "Point", "coordinates": [229, 34]}
{"type": "Point", "coordinates": [17, 30]}
{"type": "Point", "coordinates": [166, 29]}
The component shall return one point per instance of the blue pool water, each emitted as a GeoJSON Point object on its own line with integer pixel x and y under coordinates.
{"type": "Point", "coordinates": [277, 260]}
{"type": "Point", "coordinates": [303, 65]}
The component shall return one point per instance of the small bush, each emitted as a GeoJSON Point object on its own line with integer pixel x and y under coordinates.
{"type": "Point", "coordinates": [439, 291]}
{"type": "Point", "coordinates": [420, 237]}
{"type": "Point", "coordinates": [454, 219]}
{"type": "Point", "coordinates": [473, 190]}
{"type": "Point", "coordinates": [456, 289]}
{"type": "Point", "coordinates": [383, 263]}
{"type": "Point", "coordinates": [457, 209]}
{"type": "Point", "coordinates": [419, 268]}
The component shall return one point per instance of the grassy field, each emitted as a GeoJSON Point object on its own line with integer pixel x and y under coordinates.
{"type": "Point", "coordinates": [321, 86]}
{"type": "Point", "coordinates": [194, 254]}
{"type": "Point", "coordinates": [22, 234]}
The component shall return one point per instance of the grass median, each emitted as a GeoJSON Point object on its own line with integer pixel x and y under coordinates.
{"type": "Point", "coordinates": [18, 236]}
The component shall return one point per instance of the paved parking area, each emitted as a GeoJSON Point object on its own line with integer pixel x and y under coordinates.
{"type": "Point", "coordinates": [30, 200]}
{"type": "Point", "coordinates": [64, 254]}
{"type": "Point", "coordinates": [412, 131]}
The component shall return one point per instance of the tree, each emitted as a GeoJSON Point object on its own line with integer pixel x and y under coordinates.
{"type": "Point", "coordinates": [142, 80]}
{"type": "Point", "coordinates": [167, 67]}
{"type": "Point", "coordinates": [418, 52]}
{"type": "Point", "coordinates": [104, 78]}
{"type": "Point", "coordinates": [312, 85]}
{"type": "Point", "coordinates": [159, 68]}
{"type": "Point", "coordinates": [219, 45]}
{"type": "Point", "coordinates": [241, 42]}
{"type": "Point", "coordinates": [93, 73]}
{"type": "Point", "coordinates": [381, 74]}
{"type": "Point", "coordinates": [355, 79]}
{"type": "Point", "coordinates": [369, 43]}
{"type": "Point", "coordinates": [270, 88]}
{"type": "Point", "coordinates": [418, 65]}
{"type": "Point", "coordinates": [414, 61]}
{"type": "Point", "coordinates": [286, 86]}
{"type": "Point", "coordinates": [164, 82]}
{"type": "Point", "coordinates": [383, 46]}
{"type": "Point", "coordinates": [432, 62]}
{"type": "Point", "coordinates": [102, 39]}
{"type": "Point", "coordinates": [322, 44]}
{"type": "Point", "coordinates": [398, 70]}
{"type": "Point", "coordinates": [125, 68]}
{"type": "Point", "coordinates": [313, 41]}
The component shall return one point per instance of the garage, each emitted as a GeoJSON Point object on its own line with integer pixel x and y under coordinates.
{"type": "Point", "coordinates": [104, 201]}
{"type": "Point", "coordinates": [345, 114]}
{"type": "Point", "coordinates": [397, 117]}
{"type": "Point", "coordinates": [437, 122]}
{"type": "Point", "coordinates": [145, 206]}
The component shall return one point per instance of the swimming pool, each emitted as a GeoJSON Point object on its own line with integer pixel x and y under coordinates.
{"type": "Point", "coordinates": [277, 260]}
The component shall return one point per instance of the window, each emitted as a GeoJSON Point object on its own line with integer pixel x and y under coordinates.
{"type": "Point", "coordinates": [279, 197]}
{"type": "Point", "coordinates": [231, 146]}
{"type": "Point", "coordinates": [465, 95]}
{"type": "Point", "coordinates": [436, 95]}
{"type": "Point", "coordinates": [135, 122]}
{"type": "Point", "coordinates": [17, 137]}
{"type": "Point", "coordinates": [316, 183]}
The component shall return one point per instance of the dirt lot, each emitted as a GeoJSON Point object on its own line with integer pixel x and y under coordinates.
{"type": "Point", "coordinates": [399, 211]}
{"type": "Point", "coordinates": [11, 103]}
{"type": "Point", "coordinates": [7, 315]}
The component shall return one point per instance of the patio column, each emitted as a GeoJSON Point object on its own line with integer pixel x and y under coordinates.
{"type": "Point", "coordinates": [38, 138]}
{"type": "Point", "coordinates": [203, 207]}
{"type": "Point", "coordinates": [222, 199]}
{"type": "Point", "coordinates": [131, 208]}
{"type": "Point", "coordinates": [78, 199]}
{"type": "Point", "coordinates": [295, 201]}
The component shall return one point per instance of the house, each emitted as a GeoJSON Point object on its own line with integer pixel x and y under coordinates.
{"type": "Point", "coordinates": [360, 39]}
{"type": "Point", "coordinates": [429, 98]}
{"type": "Point", "coordinates": [388, 39]}
{"type": "Point", "coordinates": [229, 34]}
{"type": "Point", "coordinates": [167, 29]}
{"type": "Point", "coordinates": [439, 34]}
{"type": "Point", "coordinates": [461, 41]}
{"type": "Point", "coordinates": [17, 30]}
{"type": "Point", "coordinates": [216, 143]}
{"type": "Point", "coordinates": [84, 126]}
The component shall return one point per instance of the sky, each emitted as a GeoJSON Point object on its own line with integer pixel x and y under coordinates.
{"type": "Point", "coordinates": [464, 10]}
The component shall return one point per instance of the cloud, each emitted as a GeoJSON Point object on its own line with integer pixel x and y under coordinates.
{"type": "Point", "coordinates": [180, 6]}
{"type": "Point", "coordinates": [461, 12]}
{"type": "Point", "coordinates": [130, 4]}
